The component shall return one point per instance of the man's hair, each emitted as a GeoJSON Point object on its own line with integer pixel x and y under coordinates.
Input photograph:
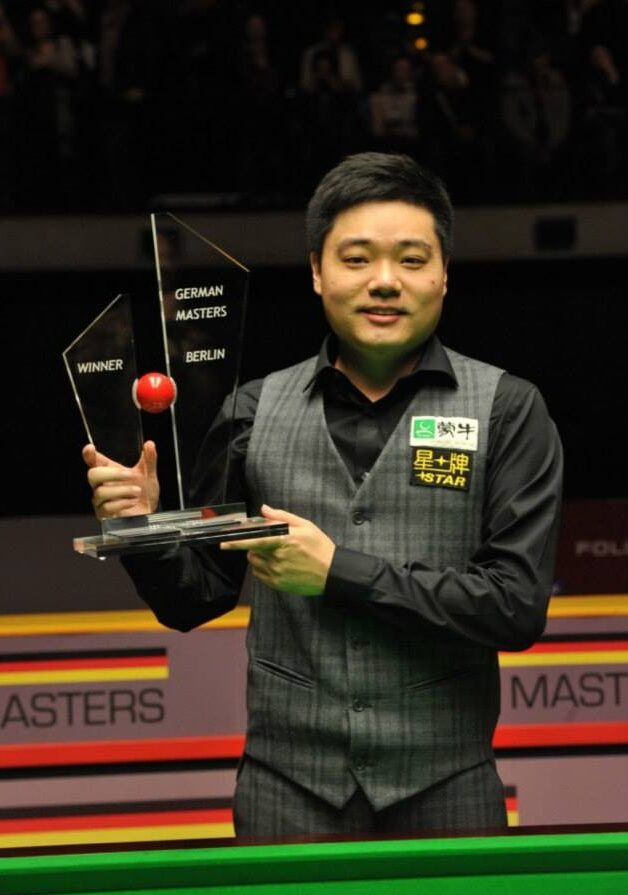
{"type": "Point", "coordinates": [378, 177]}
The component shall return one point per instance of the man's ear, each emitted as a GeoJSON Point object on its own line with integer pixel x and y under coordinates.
{"type": "Point", "coordinates": [445, 278]}
{"type": "Point", "coordinates": [315, 266]}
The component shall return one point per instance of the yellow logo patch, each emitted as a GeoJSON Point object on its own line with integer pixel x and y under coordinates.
{"type": "Point", "coordinates": [441, 468]}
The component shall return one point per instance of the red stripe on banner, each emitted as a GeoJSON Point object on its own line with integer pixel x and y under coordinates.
{"type": "Point", "coordinates": [507, 736]}
{"type": "Point", "coordinates": [109, 821]}
{"type": "Point", "coordinates": [56, 664]}
{"type": "Point", "coordinates": [579, 646]}
{"type": "Point", "coordinates": [120, 751]}
{"type": "Point", "coordinates": [512, 803]}
{"type": "Point", "coordinates": [599, 733]}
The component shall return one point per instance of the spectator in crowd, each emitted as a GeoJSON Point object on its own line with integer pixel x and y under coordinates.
{"type": "Point", "coordinates": [470, 51]}
{"type": "Point", "coordinates": [456, 144]}
{"type": "Point", "coordinates": [259, 101]}
{"type": "Point", "coordinates": [200, 52]}
{"type": "Point", "coordinates": [73, 22]}
{"type": "Point", "coordinates": [342, 60]}
{"type": "Point", "coordinates": [467, 50]}
{"type": "Point", "coordinates": [560, 22]}
{"type": "Point", "coordinates": [128, 67]}
{"type": "Point", "coordinates": [393, 108]}
{"type": "Point", "coordinates": [328, 116]}
{"type": "Point", "coordinates": [605, 23]}
{"type": "Point", "coordinates": [47, 111]}
{"type": "Point", "coordinates": [256, 67]}
{"type": "Point", "coordinates": [602, 131]}
{"type": "Point", "coordinates": [68, 16]}
{"type": "Point", "coordinates": [536, 108]}
{"type": "Point", "coordinates": [10, 52]}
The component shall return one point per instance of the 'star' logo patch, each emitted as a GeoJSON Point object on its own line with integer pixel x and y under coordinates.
{"type": "Point", "coordinates": [441, 468]}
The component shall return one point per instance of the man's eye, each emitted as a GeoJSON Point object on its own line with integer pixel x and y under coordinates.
{"type": "Point", "coordinates": [355, 260]}
{"type": "Point", "coordinates": [413, 261]}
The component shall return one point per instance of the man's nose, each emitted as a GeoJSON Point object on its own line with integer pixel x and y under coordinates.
{"type": "Point", "coordinates": [384, 280]}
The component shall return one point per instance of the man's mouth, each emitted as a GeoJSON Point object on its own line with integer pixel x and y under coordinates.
{"type": "Point", "coordinates": [382, 316]}
{"type": "Point", "coordinates": [382, 312]}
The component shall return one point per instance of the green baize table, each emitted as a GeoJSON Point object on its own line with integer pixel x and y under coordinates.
{"type": "Point", "coordinates": [573, 863]}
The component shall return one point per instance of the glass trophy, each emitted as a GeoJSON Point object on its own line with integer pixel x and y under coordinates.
{"type": "Point", "coordinates": [202, 305]}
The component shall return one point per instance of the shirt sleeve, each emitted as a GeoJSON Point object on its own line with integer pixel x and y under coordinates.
{"type": "Point", "coordinates": [188, 585]}
{"type": "Point", "coordinates": [500, 599]}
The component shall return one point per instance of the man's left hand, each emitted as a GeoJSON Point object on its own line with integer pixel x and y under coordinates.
{"type": "Point", "coordinates": [298, 562]}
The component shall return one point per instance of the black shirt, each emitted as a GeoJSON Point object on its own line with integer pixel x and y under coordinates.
{"type": "Point", "coordinates": [500, 600]}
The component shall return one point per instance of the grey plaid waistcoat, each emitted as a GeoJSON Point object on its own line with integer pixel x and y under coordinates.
{"type": "Point", "coordinates": [334, 696]}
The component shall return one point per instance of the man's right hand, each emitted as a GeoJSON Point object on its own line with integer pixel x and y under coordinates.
{"type": "Point", "coordinates": [123, 490]}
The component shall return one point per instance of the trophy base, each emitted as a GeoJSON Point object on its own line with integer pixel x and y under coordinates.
{"type": "Point", "coordinates": [141, 534]}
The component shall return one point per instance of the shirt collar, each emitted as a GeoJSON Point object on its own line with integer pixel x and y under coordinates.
{"type": "Point", "coordinates": [433, 360]}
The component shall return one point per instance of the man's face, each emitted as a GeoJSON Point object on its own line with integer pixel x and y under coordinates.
{"type": "Point", "coordinates": [382, 279]}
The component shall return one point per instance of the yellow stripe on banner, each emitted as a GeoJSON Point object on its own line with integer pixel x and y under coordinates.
{"type": "Point", "coordinates": [116, 834]}
{"type": "Point", "coordinates": [78, 675]}
{"type": "Point", "coordinates": [513, 818]}
{"type": "Point", "coordinates": [134, 620]}
{"type": "Point", "coordinates": [589, 606]}
{"type": "Point", "coordinates": [593, 657]}
{"type": "Point", "coordinates": [131, 620]}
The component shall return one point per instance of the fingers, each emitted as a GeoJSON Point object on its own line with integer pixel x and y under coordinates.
{"type": "Point", "coordinates": [115, 489]}
{"type": "Point", "coordinates": [121, 490]}
{"type": "Point", "coordinates": [107, 500]}
{"type": "Point", "coordinates": [91, 457]}
{"type": "Point", "coordinates": [257, 562]}
{"type": "Point", "coordinates": [263, 567]}
{"type": "Point", "coordinates": [257, 545]}
{"type": "Point", "coordinates": [102, 475]}
{"type": "Point", "coordinates": [149, 458]}
{"type": "Point", "coordinates": [281, 515]}
{"type": "Point", "coordinates": [112, 508]}
{"type": "Point", "coordinates": [105, 493]}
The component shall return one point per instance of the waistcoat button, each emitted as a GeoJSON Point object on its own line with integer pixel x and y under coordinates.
{"type": "Point", "coordinates": [358, 705]}
{"type": "Point", "coordinates": [359, 518]}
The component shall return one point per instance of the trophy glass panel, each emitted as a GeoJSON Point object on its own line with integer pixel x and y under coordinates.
{"type": "Point", "coordinates": [102, 368]}
{"type": "Point", "coordinates": [203, 293]}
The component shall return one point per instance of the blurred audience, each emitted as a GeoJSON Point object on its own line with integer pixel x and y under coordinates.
{"type": "Point", "coordinates": [457, 146]}
{"type": "Point", "coordinates": [393, 108]}
{"type": "Point", "coordinates": [108, 103]}
{"type": "Point", "coordinates": [467, 49]}
{"type": "Point", "coordinates": [10, 52]}
{"type": "Point", "coordinates": [601, 136]}
{"type": "Point", "coordinates": [342, 60]}
{"type": "Point", "coordinates": [258, 97]}
{"type": "Point", "coordinates": [46, 96]}
{"type": "Point", "coordinates": [327, 116]}
{"type": "Point", "coordinates": [129, 68]}
{"type": "Point", "coordinates": [536, 111]}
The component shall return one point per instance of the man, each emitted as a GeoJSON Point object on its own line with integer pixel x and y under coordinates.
{"type": "Point", "coordinates": [422, 492]}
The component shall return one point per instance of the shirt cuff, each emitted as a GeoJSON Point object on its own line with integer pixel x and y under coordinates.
{"type": "Point", "coordinates": [351, 574]}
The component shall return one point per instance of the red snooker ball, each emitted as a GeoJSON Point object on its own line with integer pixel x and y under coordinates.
{"type": "Point", "coordinates": [154, 392]}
